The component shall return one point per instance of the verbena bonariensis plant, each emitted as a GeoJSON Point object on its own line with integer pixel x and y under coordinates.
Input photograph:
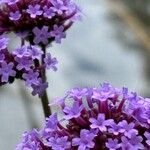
{"type": "Point", "coordinates": [95, 118]}
{"type": "Point", "coordinates": [40, 22]}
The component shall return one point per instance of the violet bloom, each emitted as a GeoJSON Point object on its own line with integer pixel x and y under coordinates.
{"type": "Point", "coordinates": [31, 78]}
{"type": "Point", "coordinates": [30, 141]}
{"type": "Point", "coordinates": [147, 135]}
{"type": "Point", "coordinates": [115, 129]}
{"type": "Point", "coordinates": [85, 141]}
{"type": "Point", "coordinates": [27, 15]}
{"type": "Point", "coordinates": [3, 42]}
{"type": "Point", "coordinates": [51, 123]}
{"type": "Point", "coordinates": [6, 70]}
{"type": "Point", "coordinates": [134, 142]}
{"type": "Point", "coordinates": [24, 63]}
{"type": "Point", "coordinates": [100, 123]}
{"type": "Point", "coordinates": [104, 93]}
{"type": "Point", "coordinates": [22, 52]}
{"type": "Point", "coordinates": [58, 33]}
{"type": "Point", "coordinates": [58, 6]}
{"type": "Point", "coordinates": [15, 16]}
{"type": "Point", "coordinates": [112, 144]}
{"type": "Point", "coordinates": [40, 88]}
{"type": "Point", "coordinates": [50, 62]}
{"type": "Point", "coordinates": [48, 12]}
{"type": "Point", "coordinates": [78, 93]}
{"type": "Point", "coordinates": [59, 143]}
{"type": "Point", "coordinates": [35, 52]}
{"type": "Point", "coordinates": [34, 11]}
{"type": "Point", "coordinates": [74, 111]}
{"type": "Point", "coordinates": [126, 128]}
{"type": "Point", "coordinates": [41, 35]}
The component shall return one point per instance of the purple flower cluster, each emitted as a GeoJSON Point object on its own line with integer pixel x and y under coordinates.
{"type": "Point", "coordinates": [95, 118]}
{"type": "Point", "coordinates": [24, 63]}
{"type": "Point", "coordinates": [43, 21]}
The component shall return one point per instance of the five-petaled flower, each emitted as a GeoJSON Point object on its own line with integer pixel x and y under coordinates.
{"type": "Point", "coordinates": [34, 11]}
{"type": "Point", "coordinates": [6, 70]}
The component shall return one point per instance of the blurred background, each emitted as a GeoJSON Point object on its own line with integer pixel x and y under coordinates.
{"type": "Point", "coordinates": [111, 44]}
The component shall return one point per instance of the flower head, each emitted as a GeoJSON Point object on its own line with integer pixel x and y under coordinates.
{"type": "Point", "coordinates": [38, 19]}
{"type": "Point", "coordinates": [97, 124]}
{"type": "Point", "coordinates": [22, 63]}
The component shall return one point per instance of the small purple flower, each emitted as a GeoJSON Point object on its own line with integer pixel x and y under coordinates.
{"type": "Point", "coordinates": [100, 123]}
{"type": "Point", "coordinates": [30, 141]}
{"type": "Point", "coordinates": [21, 52]}
{"type": "Point", "coordinates": [34, 11]}
{"type": "Point", "coordinates": [40, 88]}
{"type": "Point", "coordinates": [36, 52]}
{"type": "Point", "coordinates": [24, 63]}
{"type": "Point", "coordinates": [133, 142]}
{"type": "Point", "coordinates": [50, 62]}
{"type": "Point", "coordinates": [104, 93]}
{"type": "Point", "coordinates": [59, 143]}
{"type": "Point", "coordinates": [126, 128]}
{"type": "Point", "coordinates": [48, 12]}
{"type": "Point", "coordinates": [147, 135]}
{"type": "Point", "coordinates": [85, 141]}
{"type": "Point", "coordinates": [58, 6]}
{"type": "Point", "coordinates": [15, 16]}
{"type": "Point", "coordinates": [115, 129]}
{"type": "Point", "coordinates": [41, 35]}
{"type": "Point", "coordinates": [6, 70]}
{"type": "Point", "coordinates": [51, 123]}
{"type": "Point", "coordinates": [77, 93]}
{"type": "Point", "coordinates": [74, 111]}
{"type": "Point", "coordinates": [31, 78]}
{"type": "Point", "coordinates": [112, 144]}
{"type": "Point", "coordinates": [3, 42]}
{"type": "Point", "coordinates": [58, 33]}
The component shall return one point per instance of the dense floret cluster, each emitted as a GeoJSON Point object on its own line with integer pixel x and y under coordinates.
{"type": "Point", "coordinates": [38, 21]}
{"type": "Point", "coordinates": [95, 118]}
{"type": "Point", "coordinates": [24, 63]}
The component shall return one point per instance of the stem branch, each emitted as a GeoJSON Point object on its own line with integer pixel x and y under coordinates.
{"type": "Point", "coordinates": [44, 98]}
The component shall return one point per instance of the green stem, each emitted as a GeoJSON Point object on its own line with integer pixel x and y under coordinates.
{"type": "Point", "coordinates": [44, 98]}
